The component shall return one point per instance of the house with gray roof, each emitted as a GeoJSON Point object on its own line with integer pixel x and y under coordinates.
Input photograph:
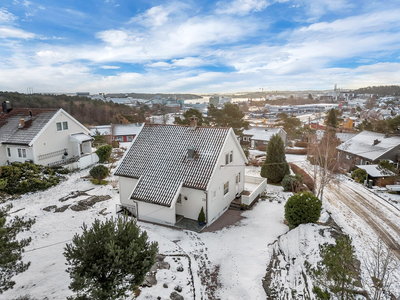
{"type": "Point", "coordinates": [44, 136]}
{"type": "Point", "coordinates": [172, 171]}
{"type": "Point", "coordinates": [370, 148]}
{"type": "Point", "coordinates": [258, 137]}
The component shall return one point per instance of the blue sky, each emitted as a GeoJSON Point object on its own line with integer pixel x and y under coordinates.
{"type": "Point", "coordinates": [197, 46]}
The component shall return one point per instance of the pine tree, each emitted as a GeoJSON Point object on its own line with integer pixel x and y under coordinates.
{"type": "Point", "coordinates": [11, 249]}
{"type": "Point", "coordinates": [275, 166]}
{"type": "Point", "coordinates": [99, 172]}
{"type": "Point", "coordinates": [331, 118]}
{"type": "Point", "coordinates": [109, 259]}
{"type": "Point", "coordinates": [336, 274]}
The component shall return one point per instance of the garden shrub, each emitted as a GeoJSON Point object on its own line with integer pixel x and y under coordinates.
{"type": "Point", "coordinates": [386, 181]}
{"type": "Point", "coordinates": [292, 183]}
{"type": "Point", "coordinates": [307, 179]}
{"type": "Point", "coordinates": [302, 208]}
{"type": "Point", "coordinates": [21, 178]}
{"type": "Point", "coordinates": [99, 172]}
{"type": "Point", "coordinates": [104, 153]}
{"type": "Point", "coordinates": [359, 175]}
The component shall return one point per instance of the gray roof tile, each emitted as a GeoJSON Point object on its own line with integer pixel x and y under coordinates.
{"type": "Point", "coordinates": [11, 133]}
{"type": "Point", "coordinates": [158, 156]}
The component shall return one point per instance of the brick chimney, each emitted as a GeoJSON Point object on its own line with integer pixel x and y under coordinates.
{"type": "Point", "coordinates": [21, 123]}
{"type": "Point", "coordinates": [193, 122]}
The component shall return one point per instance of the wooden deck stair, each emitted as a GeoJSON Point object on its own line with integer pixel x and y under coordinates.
{"type": "Point", "coordinates": [236, 204]}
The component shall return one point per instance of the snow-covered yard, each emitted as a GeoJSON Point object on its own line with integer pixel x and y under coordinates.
{"type": "Point", "coordinates": [226, 264]}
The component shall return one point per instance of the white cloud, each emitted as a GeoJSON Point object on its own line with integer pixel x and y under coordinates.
{"type": "Point", "coordinates": [318, 8]}
{"type": "Point", "coordinates": [6, 17]}
{"type": "Point", "coordinates": [159, 64]}
{"type": "Point", "coordinates": [12, 32]}
{"type": "Point", "coordinates": [109, 67]}
{"type": "Point", "coordinates": [190, 62]}
{"type": "Point", "coordinates": [26, 3]}
{"type": "Point", "coordinates": [241, 7]}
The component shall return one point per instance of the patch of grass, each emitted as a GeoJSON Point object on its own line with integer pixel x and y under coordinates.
{"type": "Point", "coordinates": [95, 181]}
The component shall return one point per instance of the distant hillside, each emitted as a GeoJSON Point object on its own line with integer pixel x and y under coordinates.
{"type": "Point", "coordinates": [85, 110]}
{"type": "Point", "coordinates": [150, 96]}
{"type": "Point", "coordinates": [381, 90]}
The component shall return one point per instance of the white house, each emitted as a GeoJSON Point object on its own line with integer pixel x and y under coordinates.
{"type": "Point", "coordinates": [172, 171]}
{"type": "Point", "coordinates": [44, 136]}
{"type": "Point", "coordinates": [259, 137]}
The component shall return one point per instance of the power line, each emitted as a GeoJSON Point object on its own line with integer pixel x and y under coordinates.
{"type": "Point", "coordinates": [48, 246]}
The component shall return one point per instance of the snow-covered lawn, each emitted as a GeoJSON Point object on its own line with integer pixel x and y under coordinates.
{"type": "Point", "coordinates": [238, 255]}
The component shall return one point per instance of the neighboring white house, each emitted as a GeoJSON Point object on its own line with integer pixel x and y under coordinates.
{"type": "Point", "coordinates": [172, 171]}
{"type": "Point", "coordinates": [44, 136]}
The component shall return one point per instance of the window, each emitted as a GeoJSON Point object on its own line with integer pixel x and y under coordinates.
{"type": "Point", "coordinates": [226, 188]}
{"type": "Point", "coordinates": [118, 138]}
{"type": "Point", "coordinates": [231, 156]}
{"type": "Point", "coordinates": [214, 194]}
{"type": "Point", "coordinates": [238, 178]}
{"type": "Point", "coordinates": [21, 152]}
{"type": "Point", "coordinates": [62, 126]}
{"type": "Point", "coordinates": [226, 158]}
{"type": "Point", "coordinates": [8, 151]}
{"type": "Point", "coordinates": [129, 138]}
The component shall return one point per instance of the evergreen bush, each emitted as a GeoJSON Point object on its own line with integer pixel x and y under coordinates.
{"type": "Point", "coordinates": [104, 153]}
{"type": "Point", "coordinates": [292, 183]}
{"type": "Point", "coordinates": [275, 166]}
{"type": "Point", "coordinates": [109, 260]}
{"type": "Point", "coordinates": [21, 178]}
{"type": "Point", "coordinates": [202, 216]}
{"type": "Point", "coordinates": [99, 172]}
{"type": "Point", "coordinates": [359, 175]}
{"type": "Point", "coordinates": [302, 208]}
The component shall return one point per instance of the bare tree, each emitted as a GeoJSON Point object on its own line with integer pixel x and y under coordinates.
{"type": "Point", "coordinates": [325, 158]}
{"type": "Point", "coordinates": [380, 267]}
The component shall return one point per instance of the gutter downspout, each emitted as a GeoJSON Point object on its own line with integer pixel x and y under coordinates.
{"type": "Point", "coordinates": [206, 207]}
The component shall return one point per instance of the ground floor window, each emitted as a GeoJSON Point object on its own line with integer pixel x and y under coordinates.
{"type": "Point", "coordinates": [226, 188]}
{"type": "Point", "coordinates": [118, 138]}
{"type": "Point", "coordinates": [22, 152]}
{"type": "Point", "coordinates": [129, 138]}
{"type": "Point", "coordinates": [238, 178]}
{"type": "Point", "coordinates": [8, 151]}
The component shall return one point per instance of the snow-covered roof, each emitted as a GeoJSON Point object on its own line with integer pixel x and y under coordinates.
{"type": "Point", "coordinates": [101, 129]}
{"type": "Point", "coordinates": [158, 157]}
{"type": "Point", "coordinates": [343, 136]}
{"type": "Point", "coordinates": [12, 133]}
{"type": "Point", "coordinates": [81, 137]}
{"type": "Point", "coordinates": [371, 145]}
{"type": "Point", "coordinates": [127, 129]}
{"type": "Point", "coordinates": [375, 171]}
{"type": "Point", "coordinates": [261, 133]}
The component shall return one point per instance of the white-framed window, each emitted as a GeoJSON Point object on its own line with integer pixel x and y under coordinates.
{"type": "Point", "coordinates": [226, 187]}
{"type": "Point", "coordinates": [22, 152]}
{"type": "Point", "coordinates": [228, 157]}
{"type": "Point", "coordinates": [118, 138]}
{"type": "Point", "coordinates": [231, 156]}
{"type": "Point", "coordinates": [238, 178]}
{"type": "Point", "coordinates": [8, 152]}
{"type": "Point", "coordinates": [129, 138]}
{"type": "Point", "coordinates": [60, 126]}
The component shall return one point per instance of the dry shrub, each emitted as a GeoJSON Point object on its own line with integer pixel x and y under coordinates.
{"type": "Point", "coordinates": [301, 144]}
{"type": "Point", "coordinates": [307, 179]}
{"type": "Point", "coordinates": [386, 181]}
{"type": "Point", "coordinates": [114, 183]}
{"type": "Point", "coordinates": [296, 151]}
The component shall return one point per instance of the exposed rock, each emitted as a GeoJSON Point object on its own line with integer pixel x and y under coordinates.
{"type": "Point", "coordinates": [74, 194]}
{"type": "Point", "coordinates": [159, 258]}
{"type": "Point", "coordinates": [89, 202]}
{"type": "Point", "coordinates": [163, 265]}
{"type": "Point", "coordinates": [176, 296]}
{"type": "Point", "coordinates": [50, 208]}
{"type": "Point", "coordinates": [179, 269]}
{"type": "Point", "coordinates": [178, 288]}
{"type": "Point", "coordinates": [62, 208]}
{"type": "Point", "coordinates": [149, 281]}
{"type": "Point", "coordinates": [165, 285]}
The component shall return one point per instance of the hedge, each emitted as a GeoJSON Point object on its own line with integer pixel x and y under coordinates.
{"type": "Point", "coordinates": [307, 179]}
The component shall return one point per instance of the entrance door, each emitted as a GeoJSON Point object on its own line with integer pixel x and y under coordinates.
{"type": "Point", "coordinates": [237, 183]}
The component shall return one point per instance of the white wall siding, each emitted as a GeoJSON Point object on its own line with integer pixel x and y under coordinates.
{"type": "Point", "coordinates": [156, 213]}
{"type": "Point", "coordinates": [191, 207]}
{"type": "Point", "coordinates": [14, 153]}
{"type": "Point", "coordinates": [126, 186]}
{"type": "Point", "coordinates": [3, 155]}
{"type": "Point", "coordinates": [218, 204]}
{"type": "Point", "coordinates": [52, 140]}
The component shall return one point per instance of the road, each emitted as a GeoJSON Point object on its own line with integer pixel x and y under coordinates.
{"type": "Point", "coordinates": [380, 216]}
